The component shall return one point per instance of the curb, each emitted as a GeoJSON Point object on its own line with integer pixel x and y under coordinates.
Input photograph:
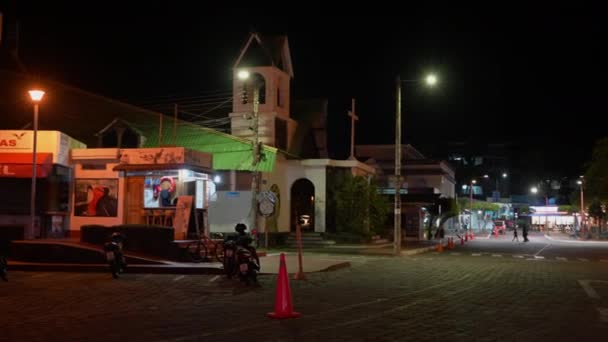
{"type": "Point", "coordinates": [334, 267]}
{"type": "Point", "coordinates": [102, 268]}
{"type": "Point", "coordinates": [418, 251]}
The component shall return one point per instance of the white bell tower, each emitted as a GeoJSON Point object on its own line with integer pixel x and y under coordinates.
{"type": "Point", "coordinates": [268, 67]}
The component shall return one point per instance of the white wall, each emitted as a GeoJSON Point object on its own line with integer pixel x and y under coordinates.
{"type": "Point", "coordinates": [226, 209]}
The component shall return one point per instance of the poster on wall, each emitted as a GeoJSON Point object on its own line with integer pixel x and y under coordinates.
{"type": "Point", "coordinates": [159, 192]}
{"type": "Point", "coordinates": [96, 197]}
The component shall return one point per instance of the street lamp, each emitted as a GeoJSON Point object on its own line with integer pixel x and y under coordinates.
{"type": "Point", "coordinates": [496, 179]}
{"type": "Point", "coordinates": [430, 80]}
{"type": "Point", "coordinates": [471, 206]}
{"type": "Point", "coordinates": [581, 182]}
{"type": "Point", "coordinates": [534, 190]}
{"type": "Point", "coordinates": [36, 96]}
{"type": "Point", "coordinates": [244, 76]}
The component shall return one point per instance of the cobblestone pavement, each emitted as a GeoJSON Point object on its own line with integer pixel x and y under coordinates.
{"type": "Point", "coordinates": [470, 296]}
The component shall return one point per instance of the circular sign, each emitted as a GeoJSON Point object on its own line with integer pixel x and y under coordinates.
{"type": "Point", "coordinates": [266, 203]}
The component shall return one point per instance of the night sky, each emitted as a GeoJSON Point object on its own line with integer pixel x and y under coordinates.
{"type": "Point", "coordinates": [530, 76]}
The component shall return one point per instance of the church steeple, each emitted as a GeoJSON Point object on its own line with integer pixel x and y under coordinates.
{"type": "Point", "coordinates": [268, 61]}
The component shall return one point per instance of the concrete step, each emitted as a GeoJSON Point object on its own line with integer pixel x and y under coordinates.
{"type": "Point", "coordinates": [306, 238]}
{"type": "Point", "coordinates": [312, 244]}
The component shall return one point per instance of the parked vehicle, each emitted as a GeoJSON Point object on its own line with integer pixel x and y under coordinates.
{"type": "Point", "coordinates": [114, 255]}
{"type": "Point", "coordinates": [500, 227]}
{"type": "Point", "coordinates": [230, 257]}
{"type": "Point", "coordinates": [248, 264]}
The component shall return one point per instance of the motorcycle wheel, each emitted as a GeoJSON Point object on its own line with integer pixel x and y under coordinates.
{"type": "Point", "coordinates": [3, 272]}
{"type": "Point", "coordinates": [115, 269]}
{"type": "Point", "coordinates": [229, 268]}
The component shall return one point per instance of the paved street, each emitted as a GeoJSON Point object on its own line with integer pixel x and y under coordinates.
{"type": "Point", "coordinates": [491, 289]}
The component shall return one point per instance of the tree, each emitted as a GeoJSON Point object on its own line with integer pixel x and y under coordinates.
{"type": "Point", "coordinates": [449, 208]}
{"type": "Point", "coordinates": [359, 207]}
{"type": "Point", "coordinates": [596, 212]}
{"type": "Point", "coordinates": [484, 207]}
{"type": "Point", "coordinates": [596, 176]}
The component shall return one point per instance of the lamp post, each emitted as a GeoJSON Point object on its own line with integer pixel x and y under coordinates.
{"type": "Point", "coordinates": [534, 190]}
{"type": "Point", "coordinates": [255, 181]}
{"type": "Point", "coordinates": [471, 206]}
{"type": "Point", "coordinates": [430, 80]}
{"type": "Point", "coordinates": [36, 96]}
{"type": "Point", "coordinates": [581, 182]}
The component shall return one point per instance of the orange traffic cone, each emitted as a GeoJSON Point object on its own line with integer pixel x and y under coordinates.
{"type": "Point", "coordinates": [282, 306]}
{"type": "Point", "coordinates": [439, 247]}
{"type": "Point", "coordinates": [472, 236]}
{"type": "Point", "coordinates": [451, 243]}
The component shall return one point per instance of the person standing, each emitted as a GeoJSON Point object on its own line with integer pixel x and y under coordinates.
{"type": "Point", "coordinates": [515, 234]}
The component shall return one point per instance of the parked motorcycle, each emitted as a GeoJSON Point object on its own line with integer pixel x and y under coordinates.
{"type": "Point", "coordinates": [114, 255]}
{"type": "Point", "coordinates": [3, 266]}
{"type": "Point", "coordinates": [248, 262]}
{"type": "Point", "coordinates": [230, 257]}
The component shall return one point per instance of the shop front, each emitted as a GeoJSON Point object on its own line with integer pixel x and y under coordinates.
{"type": "Point", "coordinates": [167, 186]}
{"type": "Point", "coordinates": [53, 181]}
{"type": "Point", "coordinates": [549, 218]}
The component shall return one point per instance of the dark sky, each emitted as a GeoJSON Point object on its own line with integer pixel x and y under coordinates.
{"type": "Point", "coordinates": [534, 76]}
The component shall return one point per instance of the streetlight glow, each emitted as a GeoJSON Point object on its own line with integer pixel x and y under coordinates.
{"type": "Point", "coordinates": [243, 74]}
{"type": "Point", "coordinates": [579, 182]}
{"type": "Point", "coordinates": [504, 175]}
{"type": "Point", "coordinates": [486, 176]}
{"type": "Point", "coordinates": [534, 189]}
{"type": "Point", "coordinates": [473, 182]}
{"type": "Point", "coordinates": [36, 95]}
{"type": "Point", "coordinates": [431, 80]}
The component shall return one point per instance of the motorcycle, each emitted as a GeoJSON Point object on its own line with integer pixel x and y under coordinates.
{"type": "Point", "coordinates": [3, 271]}
{"type": "Point", "coordinates": [248, 263]}
{"type": "Point", "coordinates": [114, 255]}
{"type": "Point", "coordinates": [230, 257]}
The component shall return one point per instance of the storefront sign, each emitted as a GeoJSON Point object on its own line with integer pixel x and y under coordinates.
{"type": "Point", "coordinates": [19, 165]}
{"type": "Point", "coordinates": [16, 140]}
{"type": "Point", "coordinates": [151, 156]}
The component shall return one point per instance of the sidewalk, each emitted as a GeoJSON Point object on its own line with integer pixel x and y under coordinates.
{"type": "Point", "coordinates": [269, 265]}
{"type": "Point", "coordinates": [562, 237]}
{"type": "Point", "coordinates": [407, 248]}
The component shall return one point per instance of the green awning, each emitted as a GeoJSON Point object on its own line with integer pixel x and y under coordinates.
{"type": "Point", "coordinates": [229, 152]}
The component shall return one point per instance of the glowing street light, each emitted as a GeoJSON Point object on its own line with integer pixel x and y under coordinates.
{"type": "Point", "coordinates": [430, 80]}
{"type": "Point", "coordinates": [36, 96]}
{"type": "Point", "coordinates": [243, 75]}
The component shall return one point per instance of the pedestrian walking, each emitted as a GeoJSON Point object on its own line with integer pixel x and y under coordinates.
{"type": "Point", "coordinates": [524, 233]}
{"type": "Point", "coordinates": [515, 234]}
